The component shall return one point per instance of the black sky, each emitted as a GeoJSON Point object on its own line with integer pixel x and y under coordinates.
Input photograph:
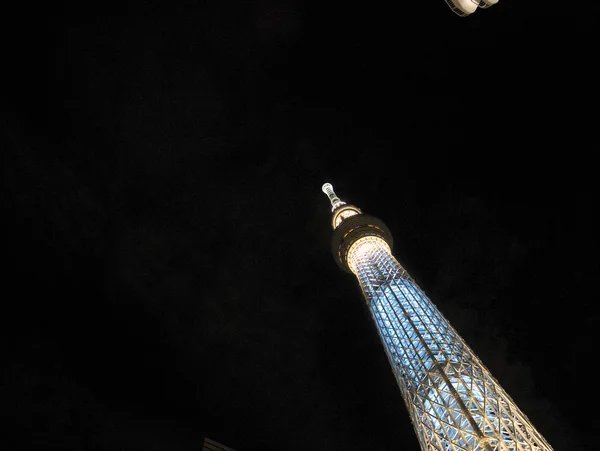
{"type": "Point", "coordinates": [167, 265]}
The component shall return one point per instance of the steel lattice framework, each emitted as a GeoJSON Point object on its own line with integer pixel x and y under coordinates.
{"type": "Point", "coordinates": [453, 400]}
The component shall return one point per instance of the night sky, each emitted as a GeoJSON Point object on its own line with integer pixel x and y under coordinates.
{"type": "Point", "coordinates": [167, 270]}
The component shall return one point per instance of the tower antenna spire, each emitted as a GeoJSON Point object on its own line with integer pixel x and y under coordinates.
{"type": "Point", "coordinates": [340, 209]}
{"type": "Point", "coordinates": [335, 201]}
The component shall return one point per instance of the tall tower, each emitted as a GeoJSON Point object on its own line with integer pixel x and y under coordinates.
{"type": "Point", "coordinates": [453, 400]}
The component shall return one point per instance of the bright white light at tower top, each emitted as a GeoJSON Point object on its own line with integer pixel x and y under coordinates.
{"type": "Point", "coordinates": [335, 201]}
{"type": "Point", "coordinates": [364, 247]}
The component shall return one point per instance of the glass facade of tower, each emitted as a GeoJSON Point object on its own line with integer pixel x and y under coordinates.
{"type": "Point", "coordinates": [453, 400]}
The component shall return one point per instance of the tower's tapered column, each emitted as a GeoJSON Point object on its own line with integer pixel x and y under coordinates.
{"type": "Point", "coordinates": [453, 400]}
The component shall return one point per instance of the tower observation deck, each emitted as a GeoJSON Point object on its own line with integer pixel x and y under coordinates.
{"type": "Point", "coordinates": [453, 401]}
{"type": "Point", "coordinates": [463, 8]}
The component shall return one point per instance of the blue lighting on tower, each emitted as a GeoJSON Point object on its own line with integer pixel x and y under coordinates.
{"type": "Point", "coordinates": [453, 400]}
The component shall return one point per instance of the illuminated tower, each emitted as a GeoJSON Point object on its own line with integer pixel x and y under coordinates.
{"type": "Point", "coordinates": [466, 7]}
{"type": "Point", "coordinates": [453, 400]}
